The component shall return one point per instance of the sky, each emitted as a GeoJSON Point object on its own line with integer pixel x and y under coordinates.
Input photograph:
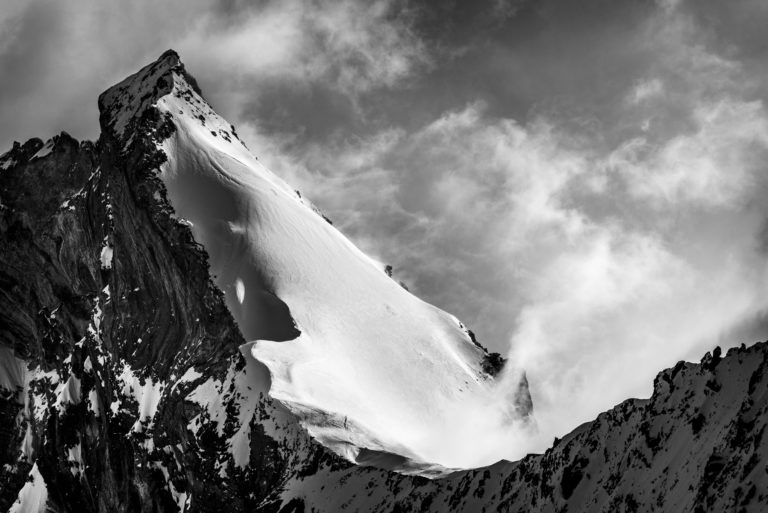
{"type": "Point", "coordinates": [581, 183]}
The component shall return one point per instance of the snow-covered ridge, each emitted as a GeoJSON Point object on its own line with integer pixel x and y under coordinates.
{"type": "Point", "coordinates": [372, 372]}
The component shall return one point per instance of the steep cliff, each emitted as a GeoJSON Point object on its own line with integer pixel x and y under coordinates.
{"type": "Point", "coordinates": [127, 385]}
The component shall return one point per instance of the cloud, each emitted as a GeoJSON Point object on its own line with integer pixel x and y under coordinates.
{"type": "Point", "coordinates": [351, 46]}
{"type": "Point", "coordinates": [601, 255]}
{"type": "Point", "coordinates": [645, 89]}
{"type": "Point", "coordinates": [713, 165]}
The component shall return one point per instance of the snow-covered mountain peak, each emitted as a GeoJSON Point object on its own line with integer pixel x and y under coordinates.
{"type": "Point", "coordinates": [372, 372]}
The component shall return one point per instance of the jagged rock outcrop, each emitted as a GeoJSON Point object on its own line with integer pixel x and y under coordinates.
{"type": "Point", "coordinates": [123, 386]}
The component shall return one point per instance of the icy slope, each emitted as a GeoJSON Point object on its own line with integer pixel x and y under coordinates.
{"type": "Point", "coordinates": [373, 372]}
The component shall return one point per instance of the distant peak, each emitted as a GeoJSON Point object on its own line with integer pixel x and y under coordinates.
{"type": "Point", "coordinates": [125, 102]}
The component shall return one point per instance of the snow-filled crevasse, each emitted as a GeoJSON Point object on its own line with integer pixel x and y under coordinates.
{"type": "Point", "coordinates": [372, 372]}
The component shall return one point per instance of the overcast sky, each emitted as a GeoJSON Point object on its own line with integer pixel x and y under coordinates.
{"type": "Point", "coordinates": [582, 183]}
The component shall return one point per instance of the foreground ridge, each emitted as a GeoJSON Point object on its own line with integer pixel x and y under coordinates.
{"type": "Point", "coordinates": [696, 445]}
{"type": "Point", "coordinates": [126, 384]}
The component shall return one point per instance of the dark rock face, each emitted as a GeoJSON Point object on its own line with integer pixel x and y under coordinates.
{"type": "Point", "coordinates": [122, 382]}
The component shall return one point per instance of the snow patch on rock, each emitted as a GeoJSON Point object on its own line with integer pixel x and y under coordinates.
{"type": "Point", "coordinates": [68, 392]}
{"type": "Point", "coordinates": [240, 290]}
{"type": "Point", "coordinates": [146, 392]}
{"type": "Point", "coordinates": [106, 256]}
{"type": "Point", "coordinates": [33, 497]}
{"type": "Point", "coordinates": [75, 459]}
{"type": "Point", "coordinates": [93, 402]}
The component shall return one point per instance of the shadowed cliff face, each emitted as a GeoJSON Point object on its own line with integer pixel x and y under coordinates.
{"type": "Point", "coordinates": [122, 382]}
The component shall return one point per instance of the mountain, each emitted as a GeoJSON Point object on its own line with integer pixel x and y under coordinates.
{"type": "Point", "coordinates": [181, 330]}
{"type": "Point", "coordinates": [370, 370]}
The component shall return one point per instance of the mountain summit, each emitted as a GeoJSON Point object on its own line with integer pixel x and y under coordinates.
{"type": "Point", "coordinates": [371, 371]}
{"type": "Point", "coordinates": [182, 331]}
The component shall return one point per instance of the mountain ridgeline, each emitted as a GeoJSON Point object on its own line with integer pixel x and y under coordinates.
{"type": "Point", "coordinates": [145, 368]}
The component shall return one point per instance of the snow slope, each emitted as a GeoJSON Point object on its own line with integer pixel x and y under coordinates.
{"type": "Point", "coordinates": [372, 372]}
